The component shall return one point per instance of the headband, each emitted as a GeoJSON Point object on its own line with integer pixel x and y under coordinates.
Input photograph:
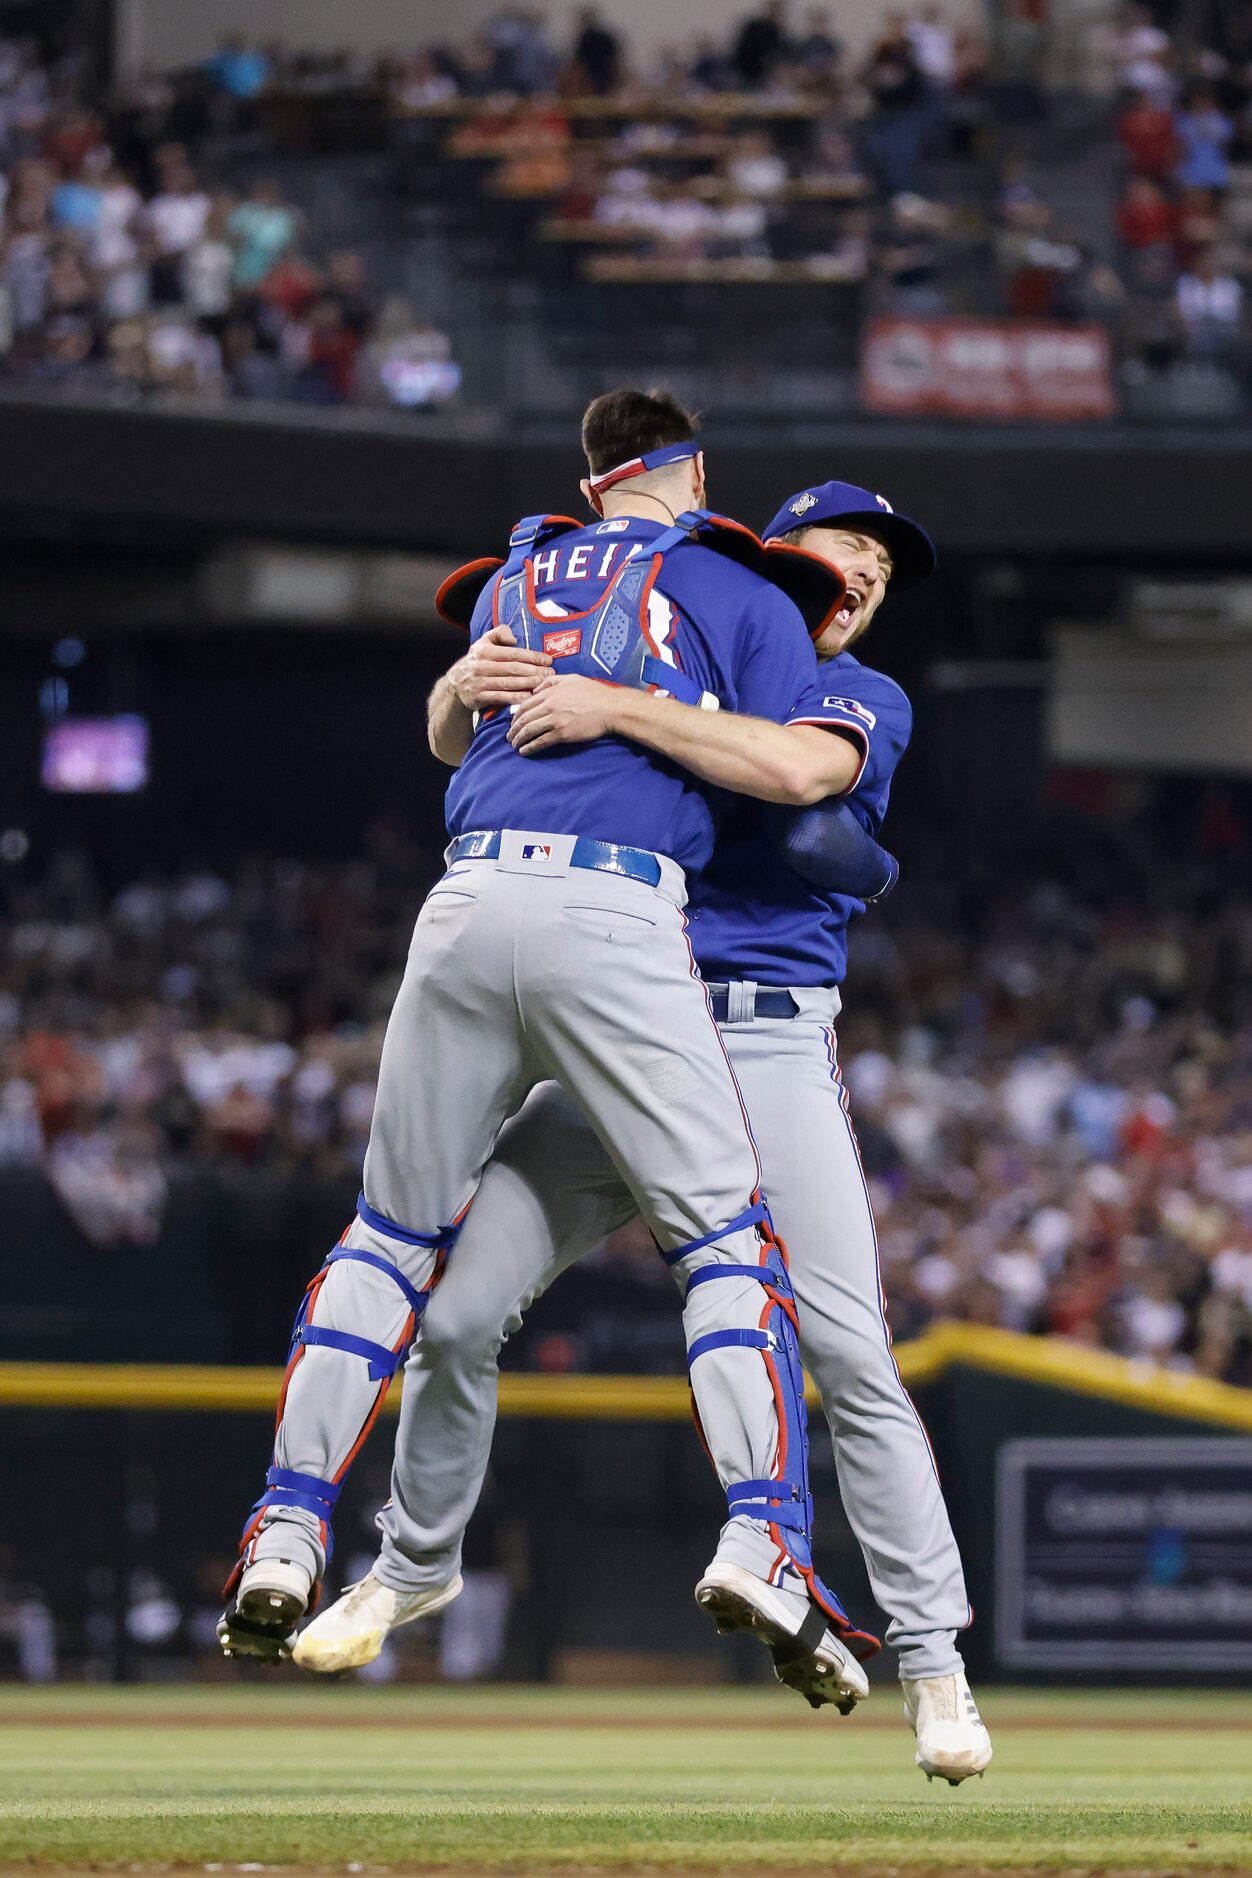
{"type": "Point", "coordinates": [640, 465]}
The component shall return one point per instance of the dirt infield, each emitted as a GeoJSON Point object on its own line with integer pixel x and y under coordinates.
{"type": "Point", "coordinates": [880, 1718]}
{"type": "Point", "coordinates": [712, 1870]}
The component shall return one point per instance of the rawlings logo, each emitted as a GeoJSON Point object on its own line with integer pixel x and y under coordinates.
{"type": "Point", "coordinates": [803, 504]}
{"type": "Point", "coordinates": [563, 645]}
{"type": "Point", "coordinates": [852, 709]}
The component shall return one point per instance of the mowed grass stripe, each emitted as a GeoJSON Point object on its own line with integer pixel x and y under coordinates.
{"type": "Point", "coordinates": [540, 1792]}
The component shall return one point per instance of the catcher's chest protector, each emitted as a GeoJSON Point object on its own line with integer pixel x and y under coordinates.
{"type": "Point", "coordinates": [614, 640]}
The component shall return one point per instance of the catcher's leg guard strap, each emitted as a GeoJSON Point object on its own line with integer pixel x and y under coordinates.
{"type": "Point", "coordinates": [777, 1501]}
{"type": "Point", "coordinates": [751, 1216]}
{"type": "Point", "coordinates": [285, 1487]}
{"type": "Point", "coordinates": [441, 1241]}
{"type": "Point", "coordinates": [729, 1339]}
{"type": "Point", "coordinates": [702, 1276]}
{"type": "Point", "coordinates": [383, 1362]}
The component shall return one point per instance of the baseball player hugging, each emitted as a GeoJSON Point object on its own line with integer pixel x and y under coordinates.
{"type": "Point", "coordinates": [584, 812]}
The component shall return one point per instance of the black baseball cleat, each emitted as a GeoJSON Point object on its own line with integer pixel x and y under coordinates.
{"type": "Point", "coordinates": [261, 1619]}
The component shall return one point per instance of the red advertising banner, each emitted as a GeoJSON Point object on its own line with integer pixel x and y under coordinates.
{"type": "Point", "coordinates": [986, 369]}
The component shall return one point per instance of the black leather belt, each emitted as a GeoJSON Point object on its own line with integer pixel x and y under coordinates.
{"type": "Point", "coordinates": [768, 1002]}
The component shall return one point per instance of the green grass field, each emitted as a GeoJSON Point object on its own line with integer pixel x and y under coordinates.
{"type": "Point", "coordinates": [305, 1777]}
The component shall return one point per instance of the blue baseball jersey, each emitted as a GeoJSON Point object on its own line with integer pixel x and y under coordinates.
{"type": "Point", "coordinates": [728, 630]}
{"type": "Point", "coordinates": [751, 916]}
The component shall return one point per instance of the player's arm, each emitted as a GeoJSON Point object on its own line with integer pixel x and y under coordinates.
{"type": "Point", "coordinates": [494, 674]}
{"type": "Point", "coordinates": [828, 847]}
{"type": "Point", "coordinates": [792, 764]}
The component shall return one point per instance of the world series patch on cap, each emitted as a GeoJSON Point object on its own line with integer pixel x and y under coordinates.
{"type": "Point", "coordinates": [847, 505]}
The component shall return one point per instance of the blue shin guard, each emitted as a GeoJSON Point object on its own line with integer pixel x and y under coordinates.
{"type": "Point", "coordinates": [783, 1502]}
{"type": "Point", "coordinates": [308, 1492]}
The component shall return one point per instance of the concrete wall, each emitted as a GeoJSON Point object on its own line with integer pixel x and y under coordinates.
{"type": "Point", "coordinates": [176, 32]}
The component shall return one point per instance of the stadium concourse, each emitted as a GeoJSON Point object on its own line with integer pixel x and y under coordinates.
{"type": "Point", "coordinates": [281, 223]}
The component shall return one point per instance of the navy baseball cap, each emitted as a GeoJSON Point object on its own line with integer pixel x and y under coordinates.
{"type": "Point", "coordinates": [912, 551]}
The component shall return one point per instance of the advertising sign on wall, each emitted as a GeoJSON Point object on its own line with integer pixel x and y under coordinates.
{"type": "Point", "coordinates": [987, 369]}
{"type": "Point", "coordinates": [1133, 1553]}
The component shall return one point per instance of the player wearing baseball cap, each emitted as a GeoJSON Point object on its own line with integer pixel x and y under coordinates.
{"type": "Point", "coordinates": [768, 927]}
{"type": "Point", "coordinates": [555, 948]}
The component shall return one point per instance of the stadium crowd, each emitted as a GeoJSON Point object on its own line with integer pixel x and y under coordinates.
{"type": "Point", "coordinates": [130, 260]}
{"type": "Point", "coordinates": [1053, 1094]}
{"type": "Point", "coordinates": [146, 244]}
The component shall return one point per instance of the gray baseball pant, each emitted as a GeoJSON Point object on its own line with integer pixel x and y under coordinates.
{"type": "Point", "coordinates": [522, 970]}
{"type": "Point", "coordinates": [551, 1194]}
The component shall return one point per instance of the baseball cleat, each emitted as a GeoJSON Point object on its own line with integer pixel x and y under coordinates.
{"type": "Point", "coordinates": [351, 1631]}
{"type": "Point", "coordinates": [952, 1739]}
{"type": "Point", "coordinates": [272, 1596]}
{"type": "Point", "coordinates": [808, 1656]}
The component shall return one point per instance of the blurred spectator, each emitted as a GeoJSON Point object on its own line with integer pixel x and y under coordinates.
{"type": "Point", "coordinates": [755, 167]}
{"type": "Point", "coordinates": [346, 289]}
{"type": "Point", "coordinates": [1210, 307]}
{"type": "Point", "coordinates": [760, 45]}
{"type": "Point", "coordinates": [423, 84]}
{"type": "Point", "coordinates": [209, 266]}
{"type": "Point", "coordinates": [109, 1178]}
{"type": "Point", "coordinates": [325, 350]}
{"type": "Point", "coordinates": [407, 363]}
{"type": "Point", "coordinates": [597, 53]}
{"type": "Point", "coordinates": [817, 49]}
{"type": "Point", "coordinates": [1204, 136]}
{"type": "Point", "coordinates": [1145, 55]}
{"type": "Point", "coordinates": [177, 217]}
{"type": "Point", "coordinates": [1148, 135]}
{"type": "Point", "coordinates": [263, 229]}
{"type": "Point", "coordinates": [472, 1639]}
{"type": "Point", "coordinates": [909, 263]}
{"type": "Point", "coordinates": [1145, 217]}
{"type": "Point", "coordinates": [238, 69]}
{"type": "Point", "coordinates": [522, 60]}
{"type": "Point", "coordinates": [1198, 225]}
{"type": "Point", "coordinates": [26, 1627]}
{"type": "Point", "coordinates": [933, 45]}
{"type": "Point", "coordinates": [900, 118]}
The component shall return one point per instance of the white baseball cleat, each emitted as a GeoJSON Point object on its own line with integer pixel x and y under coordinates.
{"type": "Point", "coordinates": [808, 1656]}
{"type": "Point", "coordinates": [351, 1631]}
{"type": "Point", "coordinates": [271, 1598]}
{"type": "Point", "coordinates": [952, 1739]}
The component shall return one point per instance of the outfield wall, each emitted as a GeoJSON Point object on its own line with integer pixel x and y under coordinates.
{"type": "Point", "coordinates": [1112, 1561]}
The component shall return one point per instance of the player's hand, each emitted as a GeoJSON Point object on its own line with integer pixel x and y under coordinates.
{"type": "Point", "coordinates": [566, 709]}
{"type": "Point", "coordinates": [497, 671]}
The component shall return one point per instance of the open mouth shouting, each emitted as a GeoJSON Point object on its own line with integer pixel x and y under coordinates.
{"type": "Point", "coordinates": [853, 601]}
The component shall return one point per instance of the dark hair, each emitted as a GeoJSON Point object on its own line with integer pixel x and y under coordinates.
{"type": "Point", "coordinates": [625, 423]}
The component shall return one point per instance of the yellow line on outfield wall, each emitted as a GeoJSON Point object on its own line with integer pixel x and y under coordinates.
{"type": "Point", "coordinates": [1049, 1361]}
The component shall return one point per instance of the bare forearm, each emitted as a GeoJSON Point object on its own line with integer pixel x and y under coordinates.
{"type": "Point", "coordinates": [748, 755]}
{"type": "Point", "coordinates": [449, 723]}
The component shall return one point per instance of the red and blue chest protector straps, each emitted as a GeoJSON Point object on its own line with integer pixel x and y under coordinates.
{"type": "Point", "coordinates": [618, 639]}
